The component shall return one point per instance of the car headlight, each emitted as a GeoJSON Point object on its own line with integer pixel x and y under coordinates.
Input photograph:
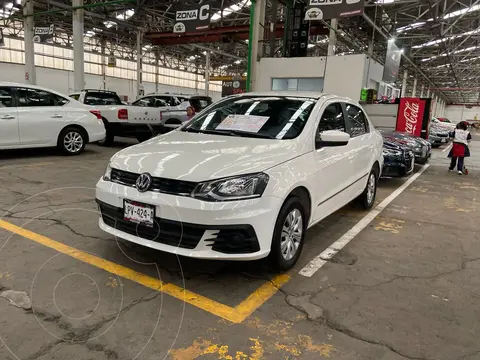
{"type": "Point", "coordinates": [391, 152]}
{"type": "Point", "coordinates": [234, 188]}
{"type": "Point", "coordinates": [108, 173]}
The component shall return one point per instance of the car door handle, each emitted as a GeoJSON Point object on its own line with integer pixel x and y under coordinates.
{"type": "Point", "coordinates": [8, 117]}
{"type": "Point", "coordinates": [57, 116]}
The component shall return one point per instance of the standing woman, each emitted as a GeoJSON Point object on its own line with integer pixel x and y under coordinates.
{"type": "Point", "coordinates": [461, 138]}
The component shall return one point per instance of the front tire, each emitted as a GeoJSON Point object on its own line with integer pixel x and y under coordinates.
{"type": "Point", "coordinates": [288, 235]}
{"type": "Point", "coordinates": [367, 198]}
{"type": "Point", "coordinates": [72, 141]}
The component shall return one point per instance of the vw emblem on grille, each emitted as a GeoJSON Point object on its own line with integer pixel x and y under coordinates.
{"type": "Point", "coordinates": [143, 182]}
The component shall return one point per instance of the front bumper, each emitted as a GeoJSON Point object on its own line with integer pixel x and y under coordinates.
{"type": "Point", "coordinates": [233, 230]}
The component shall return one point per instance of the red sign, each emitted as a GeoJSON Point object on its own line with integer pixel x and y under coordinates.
{"type": "Point", "coordinates": [410, 116]}
{"type": "Point", "coordinates": [27, 76]}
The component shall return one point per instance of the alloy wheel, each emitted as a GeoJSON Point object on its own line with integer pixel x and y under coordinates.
{"type": "Point", "coordinates": [371, 188]}
{"type": "Point", "coordinates": [73, 142]}
{"type": "Point", "coordinates": [292, 232]}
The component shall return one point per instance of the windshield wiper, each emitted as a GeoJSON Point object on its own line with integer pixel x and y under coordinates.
{"type": "Point", "coordinates": [208, 131]}
{"type": "Point", "coordinates": [251, 134]}
{"type": "Point", "coordinates": [230, 133]}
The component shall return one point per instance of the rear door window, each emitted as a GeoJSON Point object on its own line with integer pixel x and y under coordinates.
{"type": "Point", "coordinates": [28, 97]}
{"type": "Point", "coordinates": [6, 97]}
{"type": "Point", "coordinates": [357, 121]}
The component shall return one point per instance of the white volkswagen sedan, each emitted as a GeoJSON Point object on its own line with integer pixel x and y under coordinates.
{"type": "Point", "coordinates": [245, 178]}
{"type": "Point", "coordinates": [32, 117]}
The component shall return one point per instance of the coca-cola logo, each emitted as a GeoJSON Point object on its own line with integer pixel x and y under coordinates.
{"type": "Point", "coordinates": [410, 112]}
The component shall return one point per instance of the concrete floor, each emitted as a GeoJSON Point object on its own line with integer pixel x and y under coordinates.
{"type": "Point", "coordinates": [406, 287]}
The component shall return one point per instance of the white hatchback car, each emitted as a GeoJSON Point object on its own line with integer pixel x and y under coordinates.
{"type": "Point", "coordinates": [32, 117]}
{"type": "Point", "coordinates": [244, 178]}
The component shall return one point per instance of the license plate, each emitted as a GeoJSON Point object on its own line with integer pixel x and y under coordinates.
{"type": "Point", "coordinates": [444, 140]}
{"type": "Point", "coordinates": [138, 213]}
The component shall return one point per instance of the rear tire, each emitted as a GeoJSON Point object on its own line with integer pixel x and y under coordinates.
{"type": "Point", "coordinates": [72, 141]}
{"type": "Point", "coordinates": [288, 235]}
{"type": "Point", "coordinates": [367, 198]}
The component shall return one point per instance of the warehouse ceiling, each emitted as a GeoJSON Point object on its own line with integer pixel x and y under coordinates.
{"type": "Point", "coordinates": [439, 38]}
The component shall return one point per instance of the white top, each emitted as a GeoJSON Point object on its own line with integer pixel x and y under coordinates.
{"type": "Point", "coordinates": [461, 136]}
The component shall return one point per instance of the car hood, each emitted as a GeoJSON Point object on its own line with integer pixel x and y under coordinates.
{"type": "Point", "coordinates": [394, 145]}
{"type": "Point", "coordinates": [199, 157]}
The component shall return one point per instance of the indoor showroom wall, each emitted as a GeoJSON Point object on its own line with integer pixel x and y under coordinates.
{"type": "Point", "coordinates": [458, 113]}
{"type": "Point", "coordinates": [308, 70]}
{"type": "Point", "coordinates": [343, 75]}
{"type": "Point", "coordinates": [62, 81]}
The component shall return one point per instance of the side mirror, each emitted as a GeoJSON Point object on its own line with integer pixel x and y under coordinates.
{"type": "Point", "coordinates": [333, 138]}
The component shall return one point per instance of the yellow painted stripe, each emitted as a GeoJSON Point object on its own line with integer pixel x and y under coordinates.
{"type": "Point", "coordinates": [234, 314]}
{"type": "Point", "coordinates": [261, 295]}
{"type": "Point", "coordinates": [26, 165]}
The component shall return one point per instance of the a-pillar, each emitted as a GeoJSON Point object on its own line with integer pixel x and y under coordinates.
{"type": "Point", "coordinates": [421, 91]}
{"type": "Point", "coordinates": [404, 84]}
{"type": "Point", "coordinates": [140, 91]}
{"type": "Point", "coordinates": [256, 40]}
{"type": "Point", "coordinates": [207, 73]}
{"type": "Point", "coordinates": [30, 73]}
{"type": "Point", "coordinates": [414, 89]}
{"type": "Point", "coordinates": [78, 52]}
{"type": "Point", "coordinates": [332, 40]}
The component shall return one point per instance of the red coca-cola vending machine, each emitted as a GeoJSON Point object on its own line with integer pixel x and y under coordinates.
{"type": "Point", "coordinates": [413, 116]}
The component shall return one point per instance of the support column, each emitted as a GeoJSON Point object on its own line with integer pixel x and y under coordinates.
{"type": "Point", "coordinates": [140, 91]}
{"type": "Point", "coordinates": [257, 18]}
{"type": "Point", "coordinates": [434, 109]}
{"type": "Point", "coordinates": [414, 90]}
{"type": "Point", "coordinates": [30, 72]}
{"type": "Point", "coordinates": [421, 91]}
{"type": "Point", "coordinates": [428, 93]}
{"type": "Point", "coordinates": [404, 84]}
{"type": "Point", "coordinates": [157, 60]}
{"type": "Point", "coordinates": [104, 69]}
{"type": "Point", "coordinates": [78, 54]}
{"type": "Point", "coordinates": [207, 73]}
{"type": "Point", "coordinates": [332, 40]}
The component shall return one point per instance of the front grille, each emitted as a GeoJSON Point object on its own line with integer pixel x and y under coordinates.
{"type": "Point", "coordinates": [162, 185]}
{"type": "Point", "coordinates": [168, 232]}
{"type": "Point", "coordinates": [226, 239]}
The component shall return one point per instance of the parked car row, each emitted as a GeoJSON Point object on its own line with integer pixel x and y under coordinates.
{"type": "Point", "coordinates": [150, 115]}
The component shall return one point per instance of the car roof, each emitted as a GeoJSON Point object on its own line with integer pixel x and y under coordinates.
{"type": "Point", "coordinates": [298, 94]}
{"type": "Point", "coordinates": [14, 84]}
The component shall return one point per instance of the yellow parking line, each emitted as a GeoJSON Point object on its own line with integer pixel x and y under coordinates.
{"type": "Point", "coordinates": [234, 314]}
{"type": "Point", "coordinates": [28, 165]}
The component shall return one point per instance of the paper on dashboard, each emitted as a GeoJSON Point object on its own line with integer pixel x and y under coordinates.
{"type": "Point", "coordinates": [249, 123]}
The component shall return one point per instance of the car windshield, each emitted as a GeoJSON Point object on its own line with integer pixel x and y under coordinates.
{"type": "Point", "coordinates": [275, 117]}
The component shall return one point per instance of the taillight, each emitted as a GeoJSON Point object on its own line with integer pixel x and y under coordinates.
{"type": "Point", "coordinates": [161, 116]}
{"type": "Point", "coordinates": [123, 114]}
{"type": "Point", "coordinates": [97, 113]}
